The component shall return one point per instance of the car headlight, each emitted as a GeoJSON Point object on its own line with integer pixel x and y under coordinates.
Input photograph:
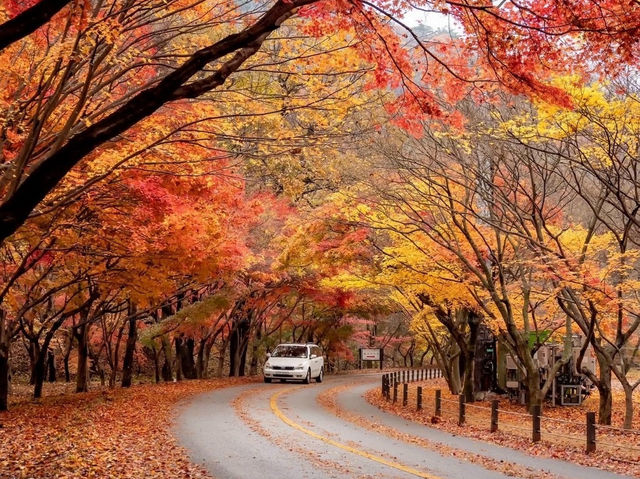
{"type": "Point", "coordinates": [267, 364]}
{"type": "Point", "coordinates": [300, 366]}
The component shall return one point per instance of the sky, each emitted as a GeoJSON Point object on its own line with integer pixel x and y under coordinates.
{"type": "Point", "coordinates": [434, 20]}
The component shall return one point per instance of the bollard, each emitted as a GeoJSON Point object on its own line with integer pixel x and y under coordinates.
{"type": "Point", "coordinates": [405, 394]}
{"type": "Point", "coordinates": [419, 398]}
{"type": "Point", "coordinates": [461, 410]}
{"type": "Point", "coordinates": [494, 415]}
{"type": "Point", "coordinates": [383, 389]}
{"type": "Point", "coordinates": [438, 402]}
{"type": "Point", "coordinates": [387, 380]}
{"type": "Point", "coordinates": [395, 392]}
{"type": "Point", "coordinates": [535, 433]}
{"type": "Point", "coordinates": [591, 432]}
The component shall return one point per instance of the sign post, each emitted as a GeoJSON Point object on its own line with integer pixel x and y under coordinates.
{"type": "Point", "coordinates": [371, 354]}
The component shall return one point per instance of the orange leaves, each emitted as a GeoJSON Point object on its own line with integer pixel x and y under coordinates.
{"type": "Point", "coordinates": [122, 433]}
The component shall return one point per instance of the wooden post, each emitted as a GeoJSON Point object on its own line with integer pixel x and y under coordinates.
{"type": "Point", "coordinates": [395, 392]}
{"type": "Point", "coordinates": [419, 398]}
{"type": "Point", "coordinates": [461, 410]}
{"type": "Point", "coordinates": [535, 433]}
{"type": "Point", "coordinates": [405, 394]}
{"type": "Point", "coordinates": [494, 415]}
{"type": "Point", "coordinates": [384, 389]}
{"type": "Point", "coordinates": [438, 402]}
{"type": "Point", "coordinates": [591, 432]}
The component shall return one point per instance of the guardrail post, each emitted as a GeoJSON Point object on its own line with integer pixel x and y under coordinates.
{"type": "Point", "coordinates": [419, 398]}
{"type": "Point", "coordinates": [591, 432]}
{"type": "Point", "coordinates": [438, 402]}
{"type": "Point", "coordinates": [383, 388]}
{"type": "Point", "coordinates": [494, 415]}
{"type": "Point", "coordinates": [461, 410]}
{"type": "Point", "coordinates": [387, 392]}
{"type": "Point", "coordinates": [405, 394]}
{"type": "Point", "coordinates": [535, 414]}
{"type": "Point", "coordinates": [395, 392]}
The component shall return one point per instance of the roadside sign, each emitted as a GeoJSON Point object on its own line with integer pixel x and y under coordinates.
{"type": "Point", "coordinates": [371, 354]}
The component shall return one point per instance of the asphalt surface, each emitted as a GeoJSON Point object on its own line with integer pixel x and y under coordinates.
{"type": "Point", "coordinates": [280, 431]}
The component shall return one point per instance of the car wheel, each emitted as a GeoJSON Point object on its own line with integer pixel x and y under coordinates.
{"type": "Point", "coordinates": [307, 379]}
{"type": "Point", "coordinates": [267, 380]}
{"type": "Point", "coordinates": [320, 376]}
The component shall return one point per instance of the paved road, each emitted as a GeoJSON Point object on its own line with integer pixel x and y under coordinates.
{"type": "Point", "coordinates": [280, 431]}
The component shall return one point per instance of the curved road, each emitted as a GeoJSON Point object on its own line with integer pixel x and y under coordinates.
{"type": "Point", "coordinates": [281, 431]}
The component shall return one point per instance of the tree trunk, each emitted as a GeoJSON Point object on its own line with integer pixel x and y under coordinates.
{"type": "Point", "coordinates": [207, 357]}
{"type": "Point", "coordinates": [253, 367]}
{"type": "Point", "coordinates": [82, 378]}
{"type": "Point", "coordinates": [167, 372]}
{"type": "Point", "coordinates": [65, 360]}
{"type": "Point", "coordinates": [34, 353]}
{"type": "Point", "coordinates": [4, 368]}
{"type": "Point", "coordinates": [454, 382]}
{"type": "Point", "coordinates": [221, 355]}
{"type": "Point", "coordinates": [38, 373]}
{"type": "Point", "coordinates": [469, 356]}
{"type": "Point", "coordinates": [51, 367]}
{"type": "Point", "coordinates": [156, 363]}
{"type": "Point", "coordinates": [178, 358]}
{"type": "Point", "coordinates": [628, 406]}
{"type": "Point", "coordinates": [534, 393]}
{"type": "Point", "coordinates": [234, 353]}
{"type": "Point", "coordinates": [184, 354]}
{"type": "Point", "coordinates": [200, 359]}
{"type": "Point", "coordinates": [127, 364]}
{"type": "Point", "coordinates": [604, 389]}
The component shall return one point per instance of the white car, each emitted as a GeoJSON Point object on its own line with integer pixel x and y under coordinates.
{"type": "Point", "coordinates": [294, 361]}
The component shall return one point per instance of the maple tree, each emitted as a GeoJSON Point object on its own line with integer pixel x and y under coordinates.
{"type": "Point", "coordinates": [162, 77]}
{"type": "Point", "coordinates": [165, 170]}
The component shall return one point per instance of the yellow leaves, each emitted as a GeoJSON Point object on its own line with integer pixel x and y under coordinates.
{"type": "Point", "coordinates": [602, 125]}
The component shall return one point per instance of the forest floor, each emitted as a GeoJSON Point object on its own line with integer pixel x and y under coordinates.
{"type": "Point", "coordinates": [563, 428]}
{"type": "Point", "coordinates": [122, 433]}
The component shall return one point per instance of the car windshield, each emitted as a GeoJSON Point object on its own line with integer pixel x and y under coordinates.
{"type": "Point", "coordinates": [290, 352]}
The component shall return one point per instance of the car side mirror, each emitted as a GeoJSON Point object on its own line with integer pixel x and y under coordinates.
{"type": "Point", "coordinates": [268, 355]}
{"type": "Point", "coordinates": [313, 356]}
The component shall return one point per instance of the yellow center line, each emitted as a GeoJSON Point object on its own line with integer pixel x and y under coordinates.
{"type": "Point", "coordinates": [401, 467]}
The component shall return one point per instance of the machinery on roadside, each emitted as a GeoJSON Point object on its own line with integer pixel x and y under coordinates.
{"type": "Point", "coordinates": [498, 370]}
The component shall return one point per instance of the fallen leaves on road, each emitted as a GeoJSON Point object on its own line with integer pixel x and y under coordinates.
{"type": "Point", "coordinates": [121, 433]}
{"type": "Point", "coordinates": [563, 440]}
